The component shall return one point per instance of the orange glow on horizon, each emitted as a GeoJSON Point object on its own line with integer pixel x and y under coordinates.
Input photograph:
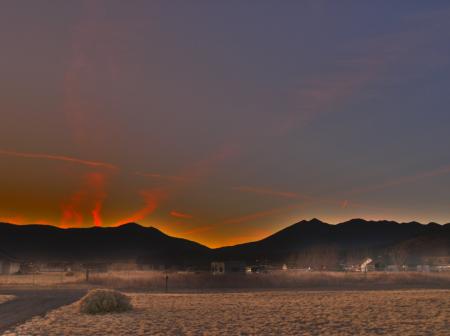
{"type": "Point", "coordinates": [152, 199]}
{"type": "Point", "coordinates": [91, 194]}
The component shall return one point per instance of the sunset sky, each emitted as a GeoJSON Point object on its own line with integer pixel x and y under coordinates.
{"type": "Point", "coordinates": [224, 122]}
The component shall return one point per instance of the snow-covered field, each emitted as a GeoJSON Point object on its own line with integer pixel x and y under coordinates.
{"type": "Point", "coordinates": [4, 298]}
{"type": "Point", "coordinates": [408, 312]}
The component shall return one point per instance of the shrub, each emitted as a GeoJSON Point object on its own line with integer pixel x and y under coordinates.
{"type": "Point", "coordinates": [101, 301]}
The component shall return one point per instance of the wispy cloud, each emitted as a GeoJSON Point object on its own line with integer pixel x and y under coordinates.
{"type": "Point", "coordinates": [444, 170]}
{"type": "Point", "coordinates": [95, 164]}
{"type": "Point", "coordinates": [197, 230]}
{"type": "Point", "coordinates": [269, 192]}
{"type": "Point", "coordinates": [261, 214]}
{"type": "Point", "coordinates": [171, 178]}
{"type": "Point", "coordinates": [88, 198]}
{"type": "Point", "coordinates": [368, 61]}
{"type": "Point", "coordinates": [177, 214]}
{"type": "Point", "coordinates": [152, 199]}
{"type": "Point", "coordinates": [92, 57]}
{"type": "Point", "coordinates": [189, 176]}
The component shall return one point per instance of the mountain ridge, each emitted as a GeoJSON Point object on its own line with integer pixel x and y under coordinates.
{"type": "Point", "coordinates": [132, 241]}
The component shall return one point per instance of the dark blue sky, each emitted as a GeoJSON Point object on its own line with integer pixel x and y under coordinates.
{"type": "Point", "coordinates": [222, 122]}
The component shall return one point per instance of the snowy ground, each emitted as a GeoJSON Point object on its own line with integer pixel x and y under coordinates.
{"type": "Point", "coordinates": [408, 312]}
{"type": "Point", "coordinates": [4, 298]}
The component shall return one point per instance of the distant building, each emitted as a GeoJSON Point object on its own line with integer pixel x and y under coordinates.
{"type": "Point", "coordinates": [365, 265]}
{"type": "Point", "coordinates": [423, 268]}
{"type": "Point", "coordinates": [222, 267]}
{"type": "Point", "coordinates": [8, 265]}
{"type": "Point", "coordinates": [441, 268]}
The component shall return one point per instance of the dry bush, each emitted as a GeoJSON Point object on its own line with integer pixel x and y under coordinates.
{"type": "Point", "coordinates": [101, 301]}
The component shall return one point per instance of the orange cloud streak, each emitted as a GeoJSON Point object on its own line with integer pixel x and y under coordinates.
{"type": "Point", "coordinates": [71, 215]}
{"type": "Point", "coordinates": [91, 195]}
{"type": "Point", "coordinates": [152, 199]}
{"type": "Point", "coordinates": [96, 214]}
{"type": "Point", "coordinates": [180, 214]}
{"type": "Point", "coordinates": [197, 230]}
{"type": "Point", "coordinates": [63, 158]}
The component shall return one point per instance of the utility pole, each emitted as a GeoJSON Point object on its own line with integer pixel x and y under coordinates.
{"type": "Point", "coordinates": [167, 283]}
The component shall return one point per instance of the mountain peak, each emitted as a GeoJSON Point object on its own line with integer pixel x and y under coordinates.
{"type": "Point", "coordinates": [131, 225]}
{"type": "Point", "coordinates": [315, 221]}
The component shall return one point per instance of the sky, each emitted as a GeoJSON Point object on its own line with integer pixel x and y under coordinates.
{"type": "Point", "coordinates": [223, 122]}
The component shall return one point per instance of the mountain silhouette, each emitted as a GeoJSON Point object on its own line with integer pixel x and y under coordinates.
{"type": "Point", "coordinates": [356, 237]}
{"type": "Point", "coordinates": [128, 242]}
{"type": "Point", "coordinates": [298, 243]}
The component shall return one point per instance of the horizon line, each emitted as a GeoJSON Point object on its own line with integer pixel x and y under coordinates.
{"type": "Point", "coordinates": [213, 248]}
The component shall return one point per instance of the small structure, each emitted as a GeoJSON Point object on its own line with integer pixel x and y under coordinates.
{"type": "Point", "coordinates": [8, 264]}
{"type": "Point", "coordinates": [220, 267]}
{"type": "Point", "coordinates": [364, 267]}
{"type": "Point", "coordinates": [423, 268]}
{"type": "Point", "coordinates": [441, 268]}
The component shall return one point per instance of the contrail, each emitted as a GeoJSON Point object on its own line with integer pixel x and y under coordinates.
{"type": "Point", "coordinates": [58, 158]}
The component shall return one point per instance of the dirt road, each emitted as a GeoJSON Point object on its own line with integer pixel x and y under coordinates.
{"type": "Point", "coordinates": [32, 302]}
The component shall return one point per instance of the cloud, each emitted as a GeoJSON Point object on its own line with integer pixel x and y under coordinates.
{"type": "Point", "coordinates": [16, 219]}
{"type": "Point", "coordinates": [187, 177]}
{"type": "Point", "coordinates": [369, 61]}
{"type": "Point", "coordinates": [180, 214]}
{"type": "Point", "coordinates": [261, 214]}
{"type": "Point", "coordinates": [92, 59]}
{"type": "Point", "coordinates": [444, 170]}
{"type": "Point", "coordinates": [88, 199]}
{"type": "Point", "coordinates": [94, 164]}
{"type": "Point", "coordinates": [71, 210]}
{"type": "Point", "coordinates": [171, 178]}
{"type": "Point", "coordinates": [152, 199]}
{"type": "Point", "coordinates": [269, 192]}
{"type": "Point", "coordinates": [197, 230]}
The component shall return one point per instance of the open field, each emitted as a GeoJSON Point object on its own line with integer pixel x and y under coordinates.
{"type": "Point", "coordinates": [205, 281]}
{"type": "Point", "coordinates": [41, 279]}
{"type": "Point", "coordinates": [290, 280]}
{"type": "Point", "coordinates": [420, 312]}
